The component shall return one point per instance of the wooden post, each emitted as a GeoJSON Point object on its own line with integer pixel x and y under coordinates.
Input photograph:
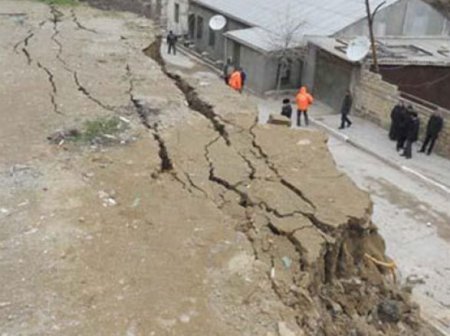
{"type": "Point", "coordinates": [370, 18]}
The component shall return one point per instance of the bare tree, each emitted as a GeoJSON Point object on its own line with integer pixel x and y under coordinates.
{"type": "Point", "coordinates": [285, 43]}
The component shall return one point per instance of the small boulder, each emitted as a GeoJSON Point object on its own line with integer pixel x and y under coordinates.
{"type": "Point", "coordinates": [389, 311]}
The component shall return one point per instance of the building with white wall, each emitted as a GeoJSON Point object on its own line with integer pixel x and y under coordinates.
{"type": "Point", "coordinates": [177, 13]}
{"type": "Point", "coordinates": [253, 25]}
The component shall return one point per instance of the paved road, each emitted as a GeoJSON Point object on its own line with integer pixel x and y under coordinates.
{"type": "Point", "coordinates": [414, 219]}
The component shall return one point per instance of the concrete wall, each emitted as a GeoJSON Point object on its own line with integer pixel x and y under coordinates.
{"type": "Point", "coordinates": [375, 98]}
{"type": "Point", "coordinates": [216, 52]}
{"type": "Point", "coordinates": [407, 18]}
{"type": "Point", "coordinates": [332, 78]}
{"type": "Point", "coordinates": [309, 67]}
{"type": "Point", "coordinates": [261, 69]}
{"type": "Point", "coordinates": [181, 27]}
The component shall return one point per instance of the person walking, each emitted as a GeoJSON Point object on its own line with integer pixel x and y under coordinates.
{"type": "Point", "coordinates": [412, 134]}
{"type": "Point", "coordinates": [434, 127]}
{"type": "Point", "coordinates": [172, 43]}
{"type": "Point", "coordinates": [396, 114]}
{"type": "Point", "coordinates": [235, 80]}
{"type": "Point", "coordinates": [403, 119]}
{"type": "Point", "coordinates": [345, 110]}
{"type": "Point", "coordinates": [304, 101]}
{"type": "Point", "coordinates": [227, 70]}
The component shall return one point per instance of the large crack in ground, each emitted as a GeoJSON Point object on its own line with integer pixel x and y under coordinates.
{"type": "Point", "coordinates": [56, 18]}
{"type": "Point", "coordinates": [194, 101]}
{"type": "Point", "coordinates": [143, 113]}
{"type": "Point", "coordinates": [79, 24]}
{"type": "Point", "coordinates": [88, 95]}
{"type": "Point", "coordinates": [323, 270]}
{"type": "Point", "coordinates": [54, 90]}
{"type": "Point", "coordinates": [207, 111]}
{"type": "Point", "coordinates": [149, 118]}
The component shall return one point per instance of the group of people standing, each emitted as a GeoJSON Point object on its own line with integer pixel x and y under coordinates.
{"type": "Point", "coordinates": [304, 100]}
{"type": "Point", "coordinates": [234, 76]}
{"type": "Point", "coordinates": [405, 126]}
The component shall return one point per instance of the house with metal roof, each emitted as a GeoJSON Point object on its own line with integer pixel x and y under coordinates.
{"type": "Point", "coordinates": [418, 66]}
{"type": "Point", "coordinates": [269, 38]}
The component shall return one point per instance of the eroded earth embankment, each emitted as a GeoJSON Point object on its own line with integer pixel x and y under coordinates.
{"type": "Point", "coordinates": [192, 220]}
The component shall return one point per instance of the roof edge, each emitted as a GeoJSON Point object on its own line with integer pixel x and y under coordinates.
{"type": "Point", "coordinates": [218, 10]}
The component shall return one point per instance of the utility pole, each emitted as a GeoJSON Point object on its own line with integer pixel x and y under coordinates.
{"type": "Point", "coordinates": [370, 20]}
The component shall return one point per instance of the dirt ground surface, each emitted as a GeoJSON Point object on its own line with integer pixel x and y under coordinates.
{"type": "Point", "coordinates": [189, 220]}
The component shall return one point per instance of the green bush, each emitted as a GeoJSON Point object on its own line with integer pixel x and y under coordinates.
{"type": "Point", "coordinates": [101, 130]}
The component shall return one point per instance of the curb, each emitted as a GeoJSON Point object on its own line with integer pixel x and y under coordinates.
{"type": "Point", "coordinates": [409, 171]}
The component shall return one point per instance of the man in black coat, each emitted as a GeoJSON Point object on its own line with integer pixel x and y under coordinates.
{"type": "Point", "coordinates": [434, 127]}
{"type": "Point", "coordinates": [345, 110]}
{"type": "Point", "coordinates": [412, 134]}
{"type": "Point", "coordinates": [172, 43]}
{"type": "Point", "coordinates": [403, 119]}
{"type": "Point", "coordinates": [395, 120]}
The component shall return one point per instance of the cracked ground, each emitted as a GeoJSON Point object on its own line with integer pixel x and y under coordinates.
{"type": "Point", "coordinates": [212, 225]}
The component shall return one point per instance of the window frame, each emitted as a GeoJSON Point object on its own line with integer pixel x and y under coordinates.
{"type": "Point", "coordinates": [176, 13]}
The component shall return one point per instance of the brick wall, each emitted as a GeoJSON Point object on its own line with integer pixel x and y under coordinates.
{"type": "Point", "coordinates": [375, 99]}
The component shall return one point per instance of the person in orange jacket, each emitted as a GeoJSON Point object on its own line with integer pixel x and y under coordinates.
{"type": "Point", "coordinates": [304, 101]}
{"type": "Point", "coordinates": [235, 80]}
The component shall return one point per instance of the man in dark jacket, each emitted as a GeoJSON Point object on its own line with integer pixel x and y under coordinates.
{"type": "Point", "coordinates": [412, 134]}
{"type": "Point", "coordinates": [286, 109]}
{"type": "Point", "coordinates": [345, 110]}
{"type": "Point", "coordinates": [395, 115]}
{"type": "Point", "coordinates": [404, 116]}
{"type": "Point", "coordinates": [434, 127]}
{"type": "Point", "coordinates": [227, 70]}
{"type": "Point", "coordinates": [243, 77]}
{"type": "Point", "coordinates": [172, 43]}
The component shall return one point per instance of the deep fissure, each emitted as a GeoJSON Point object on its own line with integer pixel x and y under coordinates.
{"type": "Point", "coordinates": [194, 101]}
{"type": "Point", "coordinates": [142, 111]}
{"type": "Point", "coordinates": [166, 162]}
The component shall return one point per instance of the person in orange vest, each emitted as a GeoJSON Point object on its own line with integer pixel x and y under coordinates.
{"type": "Point", "coordinates": [235, 80]}
{"type": "Point", "coordinates": [304, 101]}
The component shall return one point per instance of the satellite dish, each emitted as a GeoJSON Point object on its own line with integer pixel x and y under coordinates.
{"type": "Point", "coordinates": [358, 48]}
{"type": "Point", "coordinates": [217, 22]}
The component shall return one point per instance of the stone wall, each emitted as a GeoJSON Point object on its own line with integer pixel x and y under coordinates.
{"type": "Point", "coordinates": [375, 98]}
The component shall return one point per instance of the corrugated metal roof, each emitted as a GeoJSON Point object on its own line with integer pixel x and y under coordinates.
{"type": "Point", "coordinates": [256, 38]}
{"type": "Point", "coordinates": [319, 17]}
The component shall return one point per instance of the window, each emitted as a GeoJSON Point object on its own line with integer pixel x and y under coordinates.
{"type": "Point", "coordinates": [212, 38]}
{"type": "Point", "coordinates": [199, 27]}
{"type": "Point", "coordinates": [191, 24]}
{"type": "Point", "coordinates": [177, 13]}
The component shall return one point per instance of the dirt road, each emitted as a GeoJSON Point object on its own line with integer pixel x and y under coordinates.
{"type": "Point", "coordinates": [171, 212]}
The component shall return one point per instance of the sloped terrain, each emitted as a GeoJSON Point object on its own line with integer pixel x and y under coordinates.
{"type": "Point", "coordinates": [191, 220]}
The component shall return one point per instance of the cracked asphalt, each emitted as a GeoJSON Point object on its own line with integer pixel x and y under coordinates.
{"type": "Point", "coordinates": [200, 223]}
